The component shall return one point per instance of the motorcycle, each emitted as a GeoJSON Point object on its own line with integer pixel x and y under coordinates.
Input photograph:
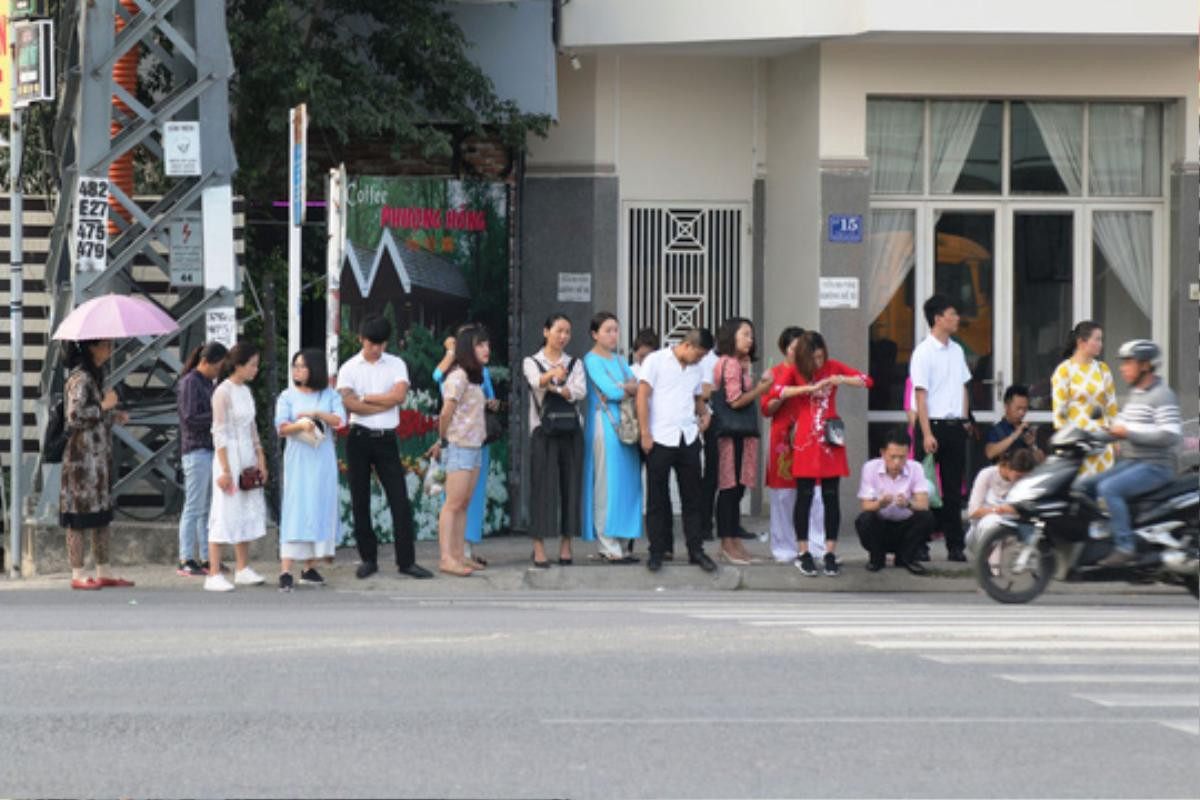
{"type": "Point", "coordinates": [1057, 530]}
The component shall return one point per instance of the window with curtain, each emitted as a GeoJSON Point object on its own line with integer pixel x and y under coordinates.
{"type": "Point", "coordinates": [965, 146]}
{"type": "Point", "coordinates": [890, 286]}
{"type": "Point", "coordinates": [1123, 275]}
{"type": "Point", "coordinates": [1125, 149]}
{"type": "Point", "coordinates": [1047, 148]}
{"type": "Point", "coordinates": [895, 145]}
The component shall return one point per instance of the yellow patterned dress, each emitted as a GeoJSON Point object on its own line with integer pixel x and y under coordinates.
{"type": "Point", "coordinates": [1078, 389]}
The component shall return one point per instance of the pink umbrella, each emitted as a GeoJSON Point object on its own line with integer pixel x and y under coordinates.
{"type": "Point", "coordinates": [115, 316]}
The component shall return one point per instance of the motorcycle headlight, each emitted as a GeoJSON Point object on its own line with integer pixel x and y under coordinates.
{"type": "Point", "coordinates": [1028, 488]}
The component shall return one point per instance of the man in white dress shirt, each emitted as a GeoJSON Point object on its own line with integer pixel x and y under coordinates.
{"type": "Point", "coordinates": [940, 376]}
{"type": "Point", "coordinates": [672, 415]}
{"type": "Point", "coordinates": [373, 385]}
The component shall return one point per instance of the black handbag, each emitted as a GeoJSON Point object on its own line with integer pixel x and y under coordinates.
{"type": "Point", "coordinates": [835, 432]}
{"type": "Point", "coordinates": [727, 421]}
{"type": "Point", "coordinates": [557, 414]}
{"type": "Point", "coordinates": [494, 425]}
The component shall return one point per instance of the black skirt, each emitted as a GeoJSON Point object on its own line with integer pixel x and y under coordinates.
{"type": "Point", "coordinates": [555, 485]}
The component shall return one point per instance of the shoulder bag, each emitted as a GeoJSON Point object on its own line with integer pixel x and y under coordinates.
{"type": "Point", "coordinates": [627, 429]}
{"type": "Point", "coordinates": [557, 414]}
{"type": "Point", "coordinates": [734, 423]}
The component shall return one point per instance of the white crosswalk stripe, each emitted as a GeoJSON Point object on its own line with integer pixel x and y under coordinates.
{"type": "Point", "coordinates": [1037, 640]}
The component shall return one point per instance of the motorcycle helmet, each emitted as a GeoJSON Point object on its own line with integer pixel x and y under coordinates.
{"type": "Point", "coordinates": [1141, 350]}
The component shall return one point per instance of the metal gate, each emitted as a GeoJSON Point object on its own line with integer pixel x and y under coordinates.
{"type": "Point", "coordinates": [688, 266]}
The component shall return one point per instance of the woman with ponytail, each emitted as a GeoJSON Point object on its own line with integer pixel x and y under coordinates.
{"type": "Point", "coordinates": [194, 403]}
{"type": "Point", "coordinates": [1081, 383]}
{"type": "Point", "coordinates": [239, 510]}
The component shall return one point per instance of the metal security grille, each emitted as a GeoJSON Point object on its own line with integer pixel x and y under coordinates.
{"type": "Point", "coordinates": [685, 267]}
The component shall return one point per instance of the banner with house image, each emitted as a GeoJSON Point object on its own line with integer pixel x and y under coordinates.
{"type": "Point", "coordinates": [428, 254]}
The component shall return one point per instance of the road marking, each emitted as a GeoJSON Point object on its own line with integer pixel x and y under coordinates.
{"type": "Point", "coordinates": [1026, 644]}
{"type": "Point", "coordinates": [1063, 659]}
{"type": "Point", "coordinates": [1122, 700]}
{"type": "Point", "coordinates": [1060, 677]}
{"type": "Point", "coordinates": [664, 721]}
{"type": "Point", "coordinates": [1127, 633]}
{"type": "Point", "coordinates": [1186, 725]}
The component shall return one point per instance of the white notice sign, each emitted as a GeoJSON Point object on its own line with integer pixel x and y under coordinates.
{"type": "Point", "coordinates": [574, 287]}
{"type": "Point", "coordinates": [91, 225]}
{"type": "Point", "coordinates": [181, 148]}
{"type": "Point", "coordinates": [839, 293]}
{"type": "Point", "coordinates": [187, 251]}
{"type": "Point", "coordinates": [220, 325]}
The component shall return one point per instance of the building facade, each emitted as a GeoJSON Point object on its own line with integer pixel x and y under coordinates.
{"type": "Point", "coordinates": [1038, 164]}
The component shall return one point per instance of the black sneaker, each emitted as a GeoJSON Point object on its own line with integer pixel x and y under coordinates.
{"type": "Point", "coordinates": [806, 565]}
{"type": "Point", "coordinates": [312, 577]}
{"type": "Point", "coordinates": [285, 582]}
{"type": "Point", "coordinates": [190, 569]}
{"type": "Point", "coordinates": [366, 569]}
{"type": "Point", "coordinates": [832, 567]}
{"type": "Point", "coordinates": [874, 566]}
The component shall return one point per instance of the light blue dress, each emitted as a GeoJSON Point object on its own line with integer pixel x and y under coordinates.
{"type": "Point", "coordinates": [310, 476]}
{"type": "Point", "coordinates": [478, 507]}
{"type": "Point", "coordinates": [617, 512]}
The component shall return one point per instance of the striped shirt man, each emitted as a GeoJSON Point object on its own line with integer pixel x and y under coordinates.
{"type": "Point", "coordinates": [1152, 418]}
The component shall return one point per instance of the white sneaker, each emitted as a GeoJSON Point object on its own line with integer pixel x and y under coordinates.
{"type": "Point", "coordinates": [217, 583]}
{"type": "Point", "coordinates": [248, 577]}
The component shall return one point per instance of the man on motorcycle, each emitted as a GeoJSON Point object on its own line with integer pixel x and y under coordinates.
{"type": "Point", "coordinates": [1149, 431]}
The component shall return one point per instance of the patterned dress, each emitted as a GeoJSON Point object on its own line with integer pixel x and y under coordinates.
{"type": "Point", "coordinates": [733, 377]}
{"type": "Point", "coordinates": [1077, 390]}
{"type": "Point", "coordinates": [85, 501]}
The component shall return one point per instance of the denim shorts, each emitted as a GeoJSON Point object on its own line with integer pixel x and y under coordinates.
{"type": "Point", "coordinates": [463, 458]}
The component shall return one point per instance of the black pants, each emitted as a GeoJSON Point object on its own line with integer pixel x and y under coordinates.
{"type": "Point", "coordinates": [729, 501]}
{"type": "Point", "coordinates": [555, 467]}
{"type": "Point", "coordinates": [685, 459]}
{"type": "Point", "coordinates": [708, 483]}
{"type": "Point", "coordinates": [951, 458]}
{"type": "Point", "coordinates": [880, 536]}
{"type": "Point", "coordinates": [365, 451]}
{"type": "Point", "coordinates": [805, 487]}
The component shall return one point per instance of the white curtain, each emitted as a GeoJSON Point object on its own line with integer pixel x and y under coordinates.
{"type": "Point", "coordinates": [1127, 240]}
{"type": "Point", "coordinates": [953, 126]}
{"type": "Point", "coordinates": [892, 256]}
{"type": "Point", "coordinates": [1061, 126]}
{"type": "Point", "coordinates": [1124, 149]}
{"type": "Point", "coordinates": [894, 145]}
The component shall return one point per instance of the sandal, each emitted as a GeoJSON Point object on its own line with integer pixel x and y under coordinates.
{"type": "Point", "coordinates": [474, 564]}
{"type": "Point", "coordinates": [539, 564]}
{"type": "Point", "coordinates": [460, 572]}
{"type": "Point", "coordinates": [85, 584]}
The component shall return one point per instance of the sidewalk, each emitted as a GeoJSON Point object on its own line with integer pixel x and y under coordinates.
{"type": "Point", "coordinates": [509, 569]}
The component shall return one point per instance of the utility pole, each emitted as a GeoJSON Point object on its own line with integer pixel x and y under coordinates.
{"type": "Point", "coordinates": [17, 315]}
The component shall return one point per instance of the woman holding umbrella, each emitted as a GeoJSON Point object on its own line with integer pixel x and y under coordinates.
{"type": "Point", "coordinates": [85, 504]}
{"type": "Point", "coordinates": [90, 411]}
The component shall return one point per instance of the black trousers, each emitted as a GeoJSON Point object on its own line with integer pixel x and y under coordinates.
{"type": "Point", "coordinates": [685, 460]}
{"type": "Point", "coordinates": [880, 536]}
{"type": "Point", "coordinates": [805, 488]}
{"type": "Point", "coordinates": [364, 452]}
{"type": "Point", "coordinates": [555, 486]}
{"type": "Point", "coordinates": [729, 501]}
{"type": "Point", "coordinates": [951, 458]}
{"type": "Point", "coordinates": [708, 483]}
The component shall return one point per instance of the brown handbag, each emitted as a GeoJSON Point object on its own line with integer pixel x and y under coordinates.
{"type": "Point", "coordinates": [251, 478]}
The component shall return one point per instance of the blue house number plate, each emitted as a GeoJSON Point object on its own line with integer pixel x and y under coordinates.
{"type": "Point", "coordinates": [845, 227]}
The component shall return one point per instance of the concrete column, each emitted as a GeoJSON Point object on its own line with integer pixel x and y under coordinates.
{"type": "Point", "coordinates": [845, 189]}
{"type": "Point", "coordinates": [1185, 319]}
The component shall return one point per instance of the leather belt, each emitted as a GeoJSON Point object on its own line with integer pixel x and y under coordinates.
{"type": "Point", "coordinates": [374, 433]}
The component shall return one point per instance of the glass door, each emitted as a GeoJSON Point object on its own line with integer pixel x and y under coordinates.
{"type": "Point", "coordinates": [961, 263]}
{"type": "Point", "coordinates": [1041, 300]}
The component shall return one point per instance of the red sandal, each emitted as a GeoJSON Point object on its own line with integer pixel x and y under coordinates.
{"type": "Point", "coordinates": [121, 582]}
{"type": "Point", "coordinates": [85, 584]}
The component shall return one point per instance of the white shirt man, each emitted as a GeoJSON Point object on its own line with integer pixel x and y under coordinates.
{"type": "Point", "coordinates": [380, 377]}
{"type": "Point", "coordinates": [671, 415]}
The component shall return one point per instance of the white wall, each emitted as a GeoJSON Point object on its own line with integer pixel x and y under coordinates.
{"type": "Point", "coordinates": [606, 23]}
{"type": "Point", "coordinates": [852, 70]}
{"type": "Point", "coordinates": [793, 193]}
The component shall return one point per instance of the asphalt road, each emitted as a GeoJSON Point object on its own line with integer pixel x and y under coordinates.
{"type": "Point", "coordinates": [176, 693]}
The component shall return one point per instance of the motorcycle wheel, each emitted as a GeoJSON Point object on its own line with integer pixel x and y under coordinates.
{"type": "Point", "coordinates": [994, 561]}
{"type": "Point", "coordinates": [1193, 585]}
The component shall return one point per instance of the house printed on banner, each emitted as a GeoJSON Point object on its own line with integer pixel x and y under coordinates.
{"type": "Point", "coordinates": [422, 287]}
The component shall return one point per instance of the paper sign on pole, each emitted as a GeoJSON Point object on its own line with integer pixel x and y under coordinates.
{"type": "Point", "coordinates": [220, 325]}
{"type": "Point", "coordinates": [181, 149]}
{"type": "Point", "coordinates": [186, 256]}
{"type": "Point", "coordinates": [574, 287]}
{"type": "Point", "coordinates": [838, 293]}
{"type": "Point", "coordinates": [5, 62]}
{"type": "Point", "coordinates": [90, 228]}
